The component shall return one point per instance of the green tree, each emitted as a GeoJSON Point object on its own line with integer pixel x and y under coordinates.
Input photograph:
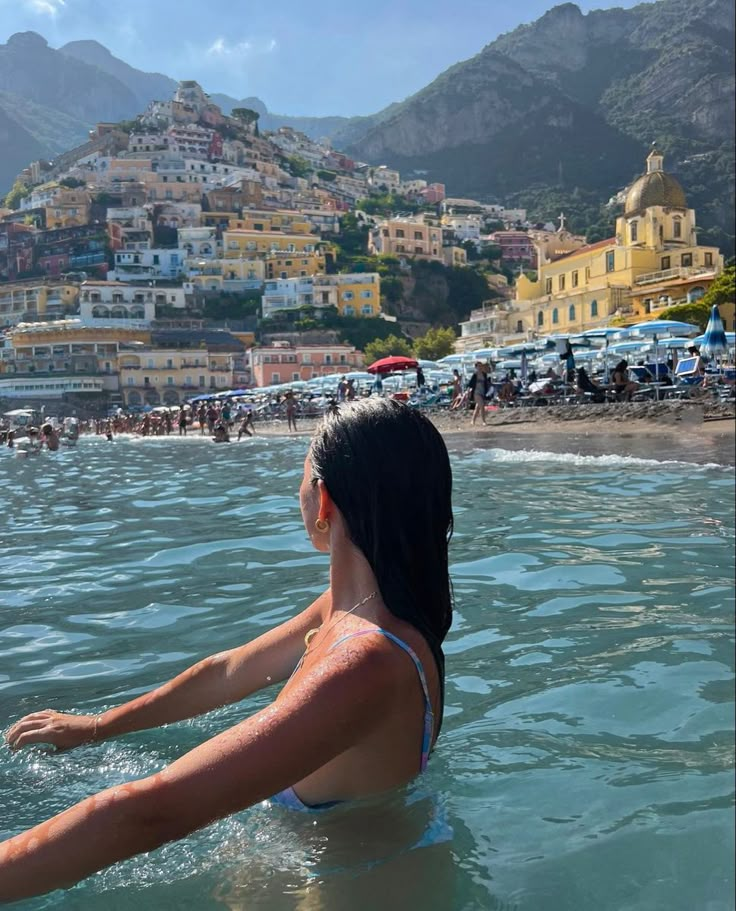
{"type": "Point", "coordinates": [18, 191]}
{"type": "Point", "coordinates": [297, 166]}
{"type": "Point", "coordinates": [386, 347]}
{"type": "Point", "coordinates": [723, 289]}
{"type": "Point", "coordinates": [697, 312]}
{"type": "Point", "coordinates": [71, 183]}
{"type": "Point", "coordinates": [435, 344]}
{"type": "Point", "coordinates": [246, 116]}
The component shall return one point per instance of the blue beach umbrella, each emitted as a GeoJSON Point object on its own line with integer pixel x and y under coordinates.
{"type": "Point", "coordinates": [714, 341]}
{"type": "Point", "coordinates": [730, 340]}
{"type": "Point", "coordinates": [664, 326]}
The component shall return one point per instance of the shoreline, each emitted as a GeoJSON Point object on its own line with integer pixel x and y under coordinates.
{"type": "Point", "coordinates": [681, 432]}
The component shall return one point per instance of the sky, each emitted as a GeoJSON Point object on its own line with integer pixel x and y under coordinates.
{"type": "Point", "coordinates": [299, 57]}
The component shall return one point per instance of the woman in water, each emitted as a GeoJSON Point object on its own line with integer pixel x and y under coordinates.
{"type": "Point", "coordinates": [363, 668]}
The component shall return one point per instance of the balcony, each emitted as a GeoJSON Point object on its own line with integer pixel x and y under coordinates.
{"type": "Point", "coordinates": [668, 275]}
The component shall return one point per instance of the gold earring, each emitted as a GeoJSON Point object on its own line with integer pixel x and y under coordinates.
{"type": "Point", "coordinates": [322, 525]}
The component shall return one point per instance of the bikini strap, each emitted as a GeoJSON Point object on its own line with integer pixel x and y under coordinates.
{"type": "Point", "coordinates": [428, 713]}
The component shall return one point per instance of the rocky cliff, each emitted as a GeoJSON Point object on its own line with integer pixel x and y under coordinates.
{"type": "Point", "coordinates": [569, 104]}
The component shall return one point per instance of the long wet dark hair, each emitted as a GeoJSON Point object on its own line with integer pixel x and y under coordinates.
{"type": "Point", "coordinates": [386, 467]}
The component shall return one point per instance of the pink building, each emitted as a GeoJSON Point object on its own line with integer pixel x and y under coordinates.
{"type": "Point", "coordinates": [516, 246]}
{"type": "Point", "coordinates": [433, 193]}
{"type": "Point", "coordinates": [282, 362]}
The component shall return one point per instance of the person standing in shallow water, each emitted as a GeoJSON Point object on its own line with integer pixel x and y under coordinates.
{"type": "Point", "coordinates": [290, 405]}
{"type": "Point", "coordinates": [478, 387]}
{"type": "Point", "coordinates": [362, 667]}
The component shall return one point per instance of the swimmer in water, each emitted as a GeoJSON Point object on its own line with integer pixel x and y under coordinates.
{"type": "Point", "coordinates": [362, 669]}
{"type": "Point", "coordinates": [50, 437]}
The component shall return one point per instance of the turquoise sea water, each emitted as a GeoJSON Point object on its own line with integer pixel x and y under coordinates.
{"type": "Point", "coordinates": [587, 756]}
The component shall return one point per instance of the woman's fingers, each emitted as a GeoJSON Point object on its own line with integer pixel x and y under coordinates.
{"type": "Point", "coordinates": [40, 735]}
{"type": "Point", "coordinates": [27, 723]}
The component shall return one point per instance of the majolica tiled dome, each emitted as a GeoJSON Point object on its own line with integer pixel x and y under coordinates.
{"type": "Point", "coordinates": [655, 188]}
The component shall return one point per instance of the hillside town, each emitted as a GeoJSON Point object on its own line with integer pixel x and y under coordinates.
{"type": "Point", "coordinates": [160, 259]}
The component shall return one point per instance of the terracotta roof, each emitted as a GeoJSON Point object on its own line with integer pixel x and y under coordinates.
{"type": "Point", "coordinates": [587, 248]}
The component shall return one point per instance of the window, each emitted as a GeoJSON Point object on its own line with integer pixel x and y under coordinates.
{"type": "Point", "coordinates": [131, 381]}
{"type": "Point", "coordinates": [634, 228]}
{"type": "Point", "coordinates": [708, 259]}
{"type": "Point", "coordinates": [399, 232]}
{"type": "Point", "coordinates": [548, 286]}
{"type": "Point", "coordinates": [417, 235]}
{"type": "Point", "coordinates": [366, 294]}
{"type": "Point", "coordinates": [328, 359]}
{"type": "Point", "coordinates": [610, 261]}
{"type": "Point", "coordinates": [687, 259]}
{"type": "Point", "coordinates": [575, 281]}
{"type": "Point", "coordinates": [571, 313]}
{"type": "Point", "coordinates": [366, 310]}
{"type": "Point", "coordinates": [156, 259]}
{"type": "Point", "coordinates": [169, 362]}
{"type": "Point", "coordinates": [150, 362]}
{"type": "Point", "coordinates": [276, 377]}
{"type": "Point", "coordinates": [540, 318]}
{"type": "Point", "coordinates": [169, 380]}
{"type": "Point", "coordinates": [594, 308]}
{"type": "Point", "coordinates": [561, 282]}
{"type": "Point", "coordinates": [677, 228]}
{"type": "Point", "coordinates": [296, 376]}
{"type": "Point", "coordinates": [666, 263]}
{"type": "Point", "coordinates": [555, 316]}
{"type": "Point", "coordinates": [343, 359]}
{"type": "Point", "coordinates": [188, 381]}
{"type": "Point", "coordinates": [348, 311]}
{"type": "Point", "coordinates": [201, 381]}
{"type": "Point", "coordinates": [347, 295]}
{"type": "Point", "coordinates": [519, 325]}
{"type": "Point", "coordinates": [417, 249]}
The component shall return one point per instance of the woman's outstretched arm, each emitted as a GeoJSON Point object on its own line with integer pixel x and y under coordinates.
{"type": "Point", "coordinates": [332, 709]}
{"type": "Point", "coordinates": [219, 680]}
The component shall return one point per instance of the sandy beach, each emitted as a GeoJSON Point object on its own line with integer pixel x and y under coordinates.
{"type": "Point", "coordinates": [665, 431]}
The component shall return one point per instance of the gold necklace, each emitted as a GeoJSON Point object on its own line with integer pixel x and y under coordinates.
{"type": "Point", "coordinates": [313, 632]}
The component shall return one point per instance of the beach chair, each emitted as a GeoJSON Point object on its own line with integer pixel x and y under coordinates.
{"type": "Point", "coordinates": [689, 377]}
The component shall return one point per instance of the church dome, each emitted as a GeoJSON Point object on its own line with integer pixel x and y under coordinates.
{"type": "Point", "coordinates": [655, 188]}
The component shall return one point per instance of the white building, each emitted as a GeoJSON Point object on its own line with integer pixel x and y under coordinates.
{"type": "Point", "coordinates": [119, 304]}
{"type": "Point", "coordinates": [287, 294]}
{"type": "Point", "coordinates": [464, 227]}
{"type": "Point", "coordinates": [147, 265]}
{"type": "Point", "coordinates": [382, 176]}
{"type": "Point", "coordinates": [200, 243]}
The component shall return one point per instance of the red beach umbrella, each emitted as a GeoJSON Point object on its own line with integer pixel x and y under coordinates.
{"type": "Point", "coordinates": [392, 364]}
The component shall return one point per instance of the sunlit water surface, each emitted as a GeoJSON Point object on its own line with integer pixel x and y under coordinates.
{"type": "Point", "coordinates": [587, 756]}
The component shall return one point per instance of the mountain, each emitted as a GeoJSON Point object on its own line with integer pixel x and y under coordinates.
{"type": "Point", "coordinates": [144, 86]}
{"type": "Point", "coordinates": [562, 110]}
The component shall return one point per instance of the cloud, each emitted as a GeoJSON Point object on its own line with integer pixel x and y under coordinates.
{"type": "Point", "coordinates": [221, 48]}
{"type": "Point", "coordinates": [45, 7]}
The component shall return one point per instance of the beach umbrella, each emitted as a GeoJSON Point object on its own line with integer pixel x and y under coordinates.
{"type": "Point", "coordinates": [605, 332]}
{"type": "Point", "coordinates": [392, 364]}
{"type": "Point", "coordinates": [484, 354]}
{"type": "Point", "coordinates": [714, 341]}
{"type": "Point", "coordinates": [674, 342]}
{"type": "Point", "coordinates": [623, 347]}
{"type": "Point", "coordinates": [663, 326]}
{"type": "Point", "coordinates": [730, 339]}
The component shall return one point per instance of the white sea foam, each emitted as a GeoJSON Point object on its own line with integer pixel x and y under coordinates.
{"type": "Point", "coordinates": [524, 456]}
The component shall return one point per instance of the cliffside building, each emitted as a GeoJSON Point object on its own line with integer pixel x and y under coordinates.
{"type": "Point", "coordinates": [653, 261]}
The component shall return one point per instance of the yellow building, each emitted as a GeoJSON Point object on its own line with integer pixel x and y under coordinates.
{"type": "Point", "coordinates": [282, 222]}
{"type": "Point", "coordinates": [226, 274]}
{"type": "Point", "coordinates": [240, 243]}
{"type": "Point", "coordinates": [68, 209]}
{"type": "Point", "coordinates": [35, 299]}
{"type": "Point", "coordinates": [160, 376]}
{"type": "Point", "coordinates": [653, 262]}
{"type": "Point", "coordinates": [354, 294]}
{"type": "Point", "coordinates": [293, 265]}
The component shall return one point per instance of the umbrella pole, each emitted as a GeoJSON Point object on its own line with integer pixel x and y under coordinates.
{"type": "Point", "coordinates": [656, 368]}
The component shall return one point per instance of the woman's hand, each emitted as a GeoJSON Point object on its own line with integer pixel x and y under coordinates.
{"type": "Point", "coordinates": [63, 731]}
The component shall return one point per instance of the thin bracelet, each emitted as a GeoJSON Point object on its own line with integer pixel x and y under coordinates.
{"type": "Point", "coordinates": [94, 732]}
